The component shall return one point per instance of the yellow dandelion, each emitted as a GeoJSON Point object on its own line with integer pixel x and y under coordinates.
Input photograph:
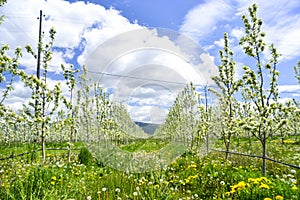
{"type": "Point", "coordinates": [233, 190]}
{"type": "Point", "coordinates": [278, 197]}
{"type": "Point", "coordinates": [264, 179]}
{"type": "Point", "coordinates": [241, 184]}
{"type": "Point", "coordinates": [192, 166]}
{"type": "Point", "coordinates": [227, 194]}
{"type": "Point", "coordinates": [195, 176]}
{"type": "Point", "coordinates": [267, 198]}
{"type": "Point", "coordinates": [294, 187]}
{"type": "Point", "coordinates": [52, 183]}
{"type": "Point", "coordinates": [264, 186]}
{"type": "Point", "coordinates": [53, 178]}
{"type": "Point", "coordinates": [251, 179]}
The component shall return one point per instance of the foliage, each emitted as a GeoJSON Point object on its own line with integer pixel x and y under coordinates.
{"type": "Point", "coordinates": [69, 75]}
{"type": "Point", "coordinates": [8, 66]}
{"type": "Point", "coordinates": [229, 86]}
{"type": "Point", "coordinates": [263, 93]}
{"type": "Point", "coordinates": [42, 96]}
{"type": "Point", "coordinates": [85, 157]}
{"type": "Point", "coordinates": [297, 72]}
{"type": "Point", "coordinates": [2, 2]}
{"type": "Point", "coordinates": [181, 123]}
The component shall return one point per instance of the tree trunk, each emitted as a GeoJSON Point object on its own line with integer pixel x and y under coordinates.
{"type": "Point", "coordinates": [43, 143]}
{"type": "Point", "coordinates": [207, 144]}
{"type": "Point", "coordinates": [70, 146]}
{"type": "Point", "coordinates": [227, 152]}
{"type": "Point", "coordinates": [264, 154]}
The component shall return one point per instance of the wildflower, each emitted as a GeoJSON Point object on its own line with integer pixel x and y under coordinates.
{"type": "Point", "coordinates": [294, 181]}
{"type": "Point", "coordinates": [195, 176]}
{"type": "Point", "coordinates": [293, 171]}
{"type": "Point", "coordinates": [118, 190]}
{"type": "Point", "coordinates": [135, 194]}
{"type": "Point", "coordinates": [264, 179]}
{"type": "Point", "coordinates": [227, 194]}
{"type": "Point", "coordinates": [278, 197]}
{"type": "Point", "coordinates": [265, 186]}
{"type": "Point", "coordinates": [241, 184]}
{"type": "Point", "coordinates": [104, 189]}
{"type": "Point", "coordinates": [238, 186]}
{"type": "Point", "coordinates": [294, 187]}
{"type": "Point", "coordinates": [267, 198]}
{"type": "Point", "coordinates": [53, 178]}
{"type": "Point", "coordinates": [88, 198]}
{"type": "Point", "coordinates": [192, 166]}
{"type": "Point", "coordinates": [222, 182]}
{"type": "Point", "coordinates": [52, 183]}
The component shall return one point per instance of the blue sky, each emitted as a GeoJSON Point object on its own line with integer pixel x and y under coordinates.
{"type": "Point", "coordinates": [84, 25]}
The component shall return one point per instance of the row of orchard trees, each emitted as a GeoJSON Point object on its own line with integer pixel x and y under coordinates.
{"type": "Point", "coordinates": [182, 121]}
{"type": "Point", "coordinates": [249, 106]}
{"type": "Point", "coordinates": [80, 114]}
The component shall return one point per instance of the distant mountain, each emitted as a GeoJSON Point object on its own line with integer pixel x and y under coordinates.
{"type": "Point", "coordinates": [147, 127]}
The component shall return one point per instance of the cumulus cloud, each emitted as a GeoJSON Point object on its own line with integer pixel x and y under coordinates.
{"type": "Point", "coordinates": [80, 27]}
{"type": "Point", "coordinates": [75, 23]}
{"type": "Point", "coordinates": [149, 67]}
{"type": "Point", "coordinates": [148, 114]}
{"type": "Point", "coordinates": [201, 21]}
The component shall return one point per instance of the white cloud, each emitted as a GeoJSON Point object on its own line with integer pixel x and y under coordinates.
{"type": "Point", "coordinates": [19, 96]}
{"type": "Point", "coordinates": [237, 33]}
{"type": "Point", "coordinates": [148, 114]}
{"type": "Point", "coordinates": [145, 67]}
{"type": "Point", "coordinates": [288, 88]}
{"type": "Point", "coordinates": [74, 22]}
{"type": "Point", "coordinates": [203, 19]}
{"type": "Point", "coordinates": [281, 23]}
{"type": "Point", "coordinates": [79, 25]}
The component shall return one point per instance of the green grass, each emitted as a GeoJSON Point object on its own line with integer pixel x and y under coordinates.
{"type": "Point", "coordinates": [189, 177]}
{"type": "Point", "coordinates": [144, 145]}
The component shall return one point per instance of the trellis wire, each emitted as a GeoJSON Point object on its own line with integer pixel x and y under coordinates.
{"type": "Point", "coordinates": [255, 156]}
{"type": "Point", "coordinates": [23, 154]}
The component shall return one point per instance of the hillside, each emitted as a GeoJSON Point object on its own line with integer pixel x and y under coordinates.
{"type": "Point", "coordinates": [147, 127]}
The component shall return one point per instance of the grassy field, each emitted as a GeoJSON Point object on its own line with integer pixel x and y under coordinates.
{"type": "Point", "coordinates": [189, 177]}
